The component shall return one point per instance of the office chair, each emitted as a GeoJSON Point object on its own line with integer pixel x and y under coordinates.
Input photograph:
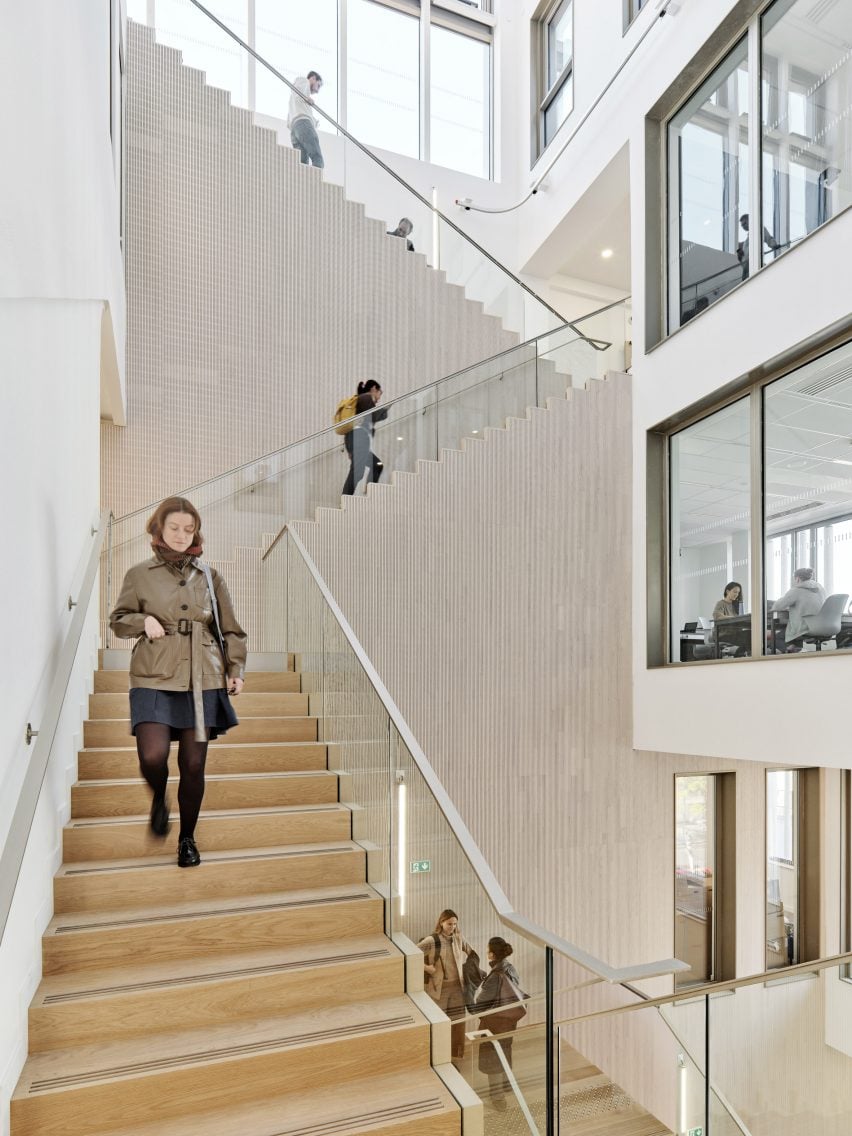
{"type": "Point", "coordinates": [826, 623]}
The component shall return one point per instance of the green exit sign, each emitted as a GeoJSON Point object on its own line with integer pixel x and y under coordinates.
{"type": "Point", "coordinates": [423, 866]}
{"type": "Point", "coordinates": [696, 1132]}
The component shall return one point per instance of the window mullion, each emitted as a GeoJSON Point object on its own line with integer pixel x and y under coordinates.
{"type": "Point", "coordinates": [425, 81]}
{"type": "Point", "coordinates": [755, 132]}
{"type": "Point", "coordinates": [342, 62]}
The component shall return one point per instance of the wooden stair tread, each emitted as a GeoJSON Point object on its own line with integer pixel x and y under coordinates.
{"type": "Point", "coordinates": [91, 920]}
{"type": "Point", "coordinates": [110, 981]}
{"type": "Point", "coordinates": [358, 1106]}
{"type": "Point", "coordinates": [60, 1069]}
{"type": "Point", "coordinates": [130, 748]}
{"type": "Point", "coordinates": [143, 819]}
{"type": "Point", "coordinates": [228, 778]}
{"type": "Point", "coordinates": [167, 859]}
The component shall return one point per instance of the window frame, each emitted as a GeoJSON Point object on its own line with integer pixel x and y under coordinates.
{"type": "Point", "coordinates": [544, 94]}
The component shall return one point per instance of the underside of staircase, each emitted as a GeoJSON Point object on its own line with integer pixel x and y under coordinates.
{"type": "Point", "coordinates": [256, 994]}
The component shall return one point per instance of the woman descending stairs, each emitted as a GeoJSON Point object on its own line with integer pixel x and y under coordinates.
{"type": "Point", "coordinates": [254, 996]}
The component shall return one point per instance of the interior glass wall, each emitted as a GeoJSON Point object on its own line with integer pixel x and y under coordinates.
{"type": "Point", "coordinates": [383, 98]}
{"type": "Point", "coordinates": [708, 147]}
{"type": "Point", "coordinates": [295, 38]}
{"type": "Point", "coordinates": [460, 69]}
{"type": "Point", "coordinates": [710, 500]}
{"type": "Point", "coordinates": [695, 857]}
{"type": "Point", "coordinates": [782, 868]}
{"type": "Point", "coordinates": [555, 81]}
{"type": "Point", "coordinates": [806, 125]}
{"type": "Point", "coordinates": [808, 506]}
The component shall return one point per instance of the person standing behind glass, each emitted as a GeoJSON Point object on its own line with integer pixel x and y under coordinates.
{"type": "Point", "coordinates": [502, 987]}
{"type": "Point", "coordinates": [302, 121]}
{"type": "Point", "coordinates": [359, 440]}
{"type": "Point", "coordinates": [445, 952]}
{"type": "Point", "coordinates": [729, 605]}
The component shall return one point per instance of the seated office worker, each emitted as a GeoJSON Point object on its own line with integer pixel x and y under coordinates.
{"type": "Point", "coordinates": [805, 598]}
{"type": "Point", "coordinates": [729, 605]}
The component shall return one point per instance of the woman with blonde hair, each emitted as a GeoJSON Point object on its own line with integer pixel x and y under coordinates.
{"type": "Point", "coordinates": [446, 952]}
{"type": "Point", "coordinates": [189, 656]}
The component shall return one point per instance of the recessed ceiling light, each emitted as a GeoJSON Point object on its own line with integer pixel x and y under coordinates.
{"type": "Point", "coordinates": [400, 438]}
{"type": "Point", "coordinates": [606, 253]}
{"type": "Point", "coordinates": [474, 431]}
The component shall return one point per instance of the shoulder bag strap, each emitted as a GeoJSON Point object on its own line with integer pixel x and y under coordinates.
{"type": "Point", "coordinates": [205, 568]}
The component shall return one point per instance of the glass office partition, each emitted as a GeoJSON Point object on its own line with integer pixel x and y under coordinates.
{"type": "Point", "coordinates": [806, 138]}
{"type": "Point", "coordinates": [708, 163]}
{"type": "Point", "coordinates": [695, 862]}
{"type": "Point", "coordinates": [782, 868]}
{"type": "Point", "coordinates": [710, 497]}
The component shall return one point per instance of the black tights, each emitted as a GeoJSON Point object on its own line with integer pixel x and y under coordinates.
{"type": "Point", "coordinates": [153, 741]}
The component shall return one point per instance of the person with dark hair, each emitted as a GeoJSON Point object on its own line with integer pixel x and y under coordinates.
{"type": "Point", "coordinates": [302, 121]}
{"type": "Point", "coordinates": [804, 598]}
{"type": "Point", "coordinates": [501, 994]}
{"type": "Point", "coordinates": [445, 953]}
{"type": "Point", "coordinates": [359, 440]}
{"type": "Point", "coordinates": [743, 246]}
{"type": "Point", "coordinates": [189, 655]}
{"type": "Point", "coordinates": [729, 605]}
{"type": "Point", "coordinates": [404, 230]}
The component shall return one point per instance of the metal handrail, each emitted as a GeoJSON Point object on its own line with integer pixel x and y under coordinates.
{"type": "Point", "coordinates": [388, 169]}
{"type": "Point", "coordinates": [497, 897]}
{"type": "Point", "coordinates": [14, 849]}
{"type": "Point", "coordinates": [602, 345]}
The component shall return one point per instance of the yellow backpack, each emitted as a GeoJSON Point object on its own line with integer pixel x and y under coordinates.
{"type": "Point", "coordinates": [345, 413]}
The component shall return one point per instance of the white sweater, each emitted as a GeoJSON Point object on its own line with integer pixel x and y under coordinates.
{"type": "Point", "coordinates": [298, 107]}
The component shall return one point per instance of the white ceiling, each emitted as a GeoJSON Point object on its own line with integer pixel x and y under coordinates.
{"type": "Point", "coordinates": [808, 456]}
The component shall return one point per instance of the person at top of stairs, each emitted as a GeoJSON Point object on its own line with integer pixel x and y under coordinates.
{"type": "Point", "coordinates": [190, 654]}
{"type": "Point", "coordinates": [303, 122]}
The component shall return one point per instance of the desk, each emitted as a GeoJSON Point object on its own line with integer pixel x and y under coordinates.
{"type": "Point", "coordinates": [733, 632]}
{"type": "Point", "coordinates": [689, 640]}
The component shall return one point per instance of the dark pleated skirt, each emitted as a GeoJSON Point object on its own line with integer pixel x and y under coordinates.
{"type": "Point", "coordinates": [174, 708]}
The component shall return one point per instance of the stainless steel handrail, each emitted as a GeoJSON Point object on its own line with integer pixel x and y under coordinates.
{"type": "Point", "coordinates": [14, 849]}
{"type": "Point", "coordinates": [388, 169]}
{"type": "Point", "coordinates": [603, 345]}
{"type": "Point", "coordinates": [497, 897]}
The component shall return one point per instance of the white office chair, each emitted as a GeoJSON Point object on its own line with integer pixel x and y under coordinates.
{"type": "Point", "coordinates": [826, 623]}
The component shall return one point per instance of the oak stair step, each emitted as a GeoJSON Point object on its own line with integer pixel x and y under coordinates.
{"type": "Point", "coordinates": [414, 1103]}
{"type": "Point", "coordinates": [248, 705]}
{"type": "Point", "coordinates": [112, 838]}
{"type": "Point", "coordinates": [132, 797]}
{"type": "Point", "coordinates": [97, 939]}
{"type": "Point", "coordinates": [257, 682]}
{"type": "Point", "coordinates": [109, 732]}
{"type": "Point", "coordinates": [223, 757]}
{"type": "Point", "coordinates": [83, 1007]}
{"type": "Point", "coordinates": [118, 884]}
{"type": "Point", "coordinates": [91, 1088]}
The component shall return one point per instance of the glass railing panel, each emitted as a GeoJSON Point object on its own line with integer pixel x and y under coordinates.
{"type": "Point", "coordinates": [620, 1065]}
{"type": "Point", "coordinates": [431, 875]}
{"type": "Point", "coordinates": [504, 388]}
{"type": "Point", "coordinates": [781, 1053]}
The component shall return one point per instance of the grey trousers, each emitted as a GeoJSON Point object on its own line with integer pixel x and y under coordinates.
{"type": "Point", "coordinates": [303, 135]}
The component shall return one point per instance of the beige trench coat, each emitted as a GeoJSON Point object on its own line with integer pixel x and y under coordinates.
{"type": "Point", "coordinates": [188, 657]}
{"type": "Point", "coordinates": [432, 983]}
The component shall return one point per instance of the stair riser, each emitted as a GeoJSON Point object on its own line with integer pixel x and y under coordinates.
{"type": "Point", "coordinates": [133, 839]}
{"type": "Point", "coordinates": [217, 933]}
{"type": "Point", "coordinates": [116, 732]}
{"type": "Point", "coordinates": [258, 682]}
{"type": "Point", "coordinates": [199, 1005]}
{"type": "Point", "coordinates": [97, 765]}
{"type": "Point", "coordinates": [250, 705]}
{"type": "Point", "coordinates": [105, 800]}
{"type": "Point", "coordinates": [91, 1109]}
{"type": "Point", "coordinates": [98, 890]}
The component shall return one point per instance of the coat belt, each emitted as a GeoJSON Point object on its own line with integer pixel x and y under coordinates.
{"type": "Point", "coordinates": [194, 628]}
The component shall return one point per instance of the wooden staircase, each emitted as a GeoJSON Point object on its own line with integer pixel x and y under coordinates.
{"type": "Point", "coordinates": [256, 995]}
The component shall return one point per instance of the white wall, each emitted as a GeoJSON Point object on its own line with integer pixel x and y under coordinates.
{"type": "Point", "coordinates": [61, 290]}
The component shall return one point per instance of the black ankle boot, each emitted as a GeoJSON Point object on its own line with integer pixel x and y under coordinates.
{"type": "Point", "coordinates": [160, 816]}
{"type": "Point", "coordinates": [188, 855]}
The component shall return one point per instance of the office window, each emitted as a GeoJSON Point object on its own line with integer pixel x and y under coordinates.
{"type": "Point", "coordinates": [782, 868]}
{"type": "Point", "coordinates": [708, 149]}
{"type": "Point", "coordinates": [632, 8]}
{"type": "Point", "coordinates": [383, 96]}
{"type": "Point", "coordinates": [806, 100]}
{"type": "Point", "coordinates": [695, 860]}
{"type": "Point", "coordinates": [808, 506]}
{"type": "Point", "coordinates": [710, 536]}
{"type": "Point", "coordinates": [460, 102]}
{"type": "Point", "coordinates": [295, 39]}
{"type": "Point", "coordinates": [555, 36]}
{"type": "Point", "coordinates": [205, 46]}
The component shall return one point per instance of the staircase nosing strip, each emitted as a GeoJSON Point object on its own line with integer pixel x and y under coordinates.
{"type": "Point", "coordinates": [213, 976]}
{"type": "Point", "coordinates": [209, 1055]}
{"type": "Point", "coordinates": [410, 1109]}
{"type": "Point", "coordinates": [209, 858]}
{"type": "Point", "coordinates": [168, 918]}
{"type": "Point", "coordinates": [242, 814]}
